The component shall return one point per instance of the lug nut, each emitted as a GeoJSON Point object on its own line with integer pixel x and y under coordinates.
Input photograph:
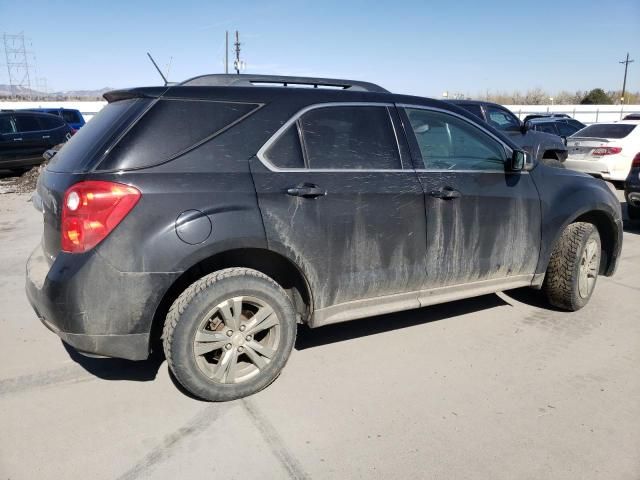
{"type": "Point", "coordinates": [229, 333]}
{"type": "Point", "coordinates": [248, 338]}
{"type": "Point", "coordinates": [243, 328]}
{"type": "Point", "coordinates": [240, 349]}
{"type": "Point", "coordinates": [228, 346]}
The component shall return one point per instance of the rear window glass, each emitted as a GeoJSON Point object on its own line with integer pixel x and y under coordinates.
{"type": "Point", "coordinates": [169, 128]}
{"type": "Point", "coordinates": [286, 151]}
{"type": "Point", "coordinates": [95, 137]}
{"type": "Point", "coordinates": [71, 116]}
{"type": "Point", "coordinates": [606, 130]}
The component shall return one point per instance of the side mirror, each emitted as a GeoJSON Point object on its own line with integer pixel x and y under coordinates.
{"type": "Point", "coordinates": [524, 127]}
{"type": "Point", "coordinates": [518, 160]}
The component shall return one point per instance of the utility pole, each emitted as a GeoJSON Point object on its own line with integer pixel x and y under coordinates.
{"type": "Point", "coordinates": [624, 82]}
{"type": "Point", "coordinates": [226, 51]}
{"type": "Point", "coordinates": [237, 62]}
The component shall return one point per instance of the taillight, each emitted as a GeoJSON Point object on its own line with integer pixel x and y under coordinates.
{"type": "Point", "coordinates": [636, 161]}
{"type": "Point", "coordinates": [91, 210]}
{"type": "Point", "coordinates": [600, 151]}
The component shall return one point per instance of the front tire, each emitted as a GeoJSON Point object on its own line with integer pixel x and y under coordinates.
{"type": "Point", "coordinates": [229, 334]}
{"type": "Point", "coordinates": [573, 267]}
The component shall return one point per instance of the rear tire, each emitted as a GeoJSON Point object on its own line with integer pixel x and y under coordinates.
{"type": "Point", "coordinates": [573, 267]}
{"type": "Point", "coordinates": [229, 334]}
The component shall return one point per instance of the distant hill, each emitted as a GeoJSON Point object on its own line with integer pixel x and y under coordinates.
{"type": "Point", "coordinates": [25, 93]}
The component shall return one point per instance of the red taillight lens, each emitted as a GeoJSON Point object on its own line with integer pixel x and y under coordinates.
{"type": "Point", "coordinates": [636, 161]}
{"type": "Point", "coordinates": [599, 152]}
{"type": "Point", "coordinates": [91, 210]}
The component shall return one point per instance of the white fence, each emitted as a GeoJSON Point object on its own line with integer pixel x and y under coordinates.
{"type": "Point", "coordinates": [584, 113]}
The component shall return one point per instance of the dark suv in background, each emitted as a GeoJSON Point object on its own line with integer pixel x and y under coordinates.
{"type": "Point", "coordinates": [543, 146]}
{"type": "Point", "coordinates": [219, 213]}
{"type": "Point", "coordinates": [72, 116]}
{"type": "Point", "coordinates": [25, 136]}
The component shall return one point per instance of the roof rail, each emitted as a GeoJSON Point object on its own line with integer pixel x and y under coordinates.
{"type": "Point", "coordinates": [231, 80]}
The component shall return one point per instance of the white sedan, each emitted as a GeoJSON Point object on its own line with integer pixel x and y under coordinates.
{"type": "Point", "coordinates": [605, 149]}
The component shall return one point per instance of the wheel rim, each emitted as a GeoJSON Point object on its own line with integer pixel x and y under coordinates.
{"type": "Point", "coordinates": [236, 339]}
{"type": "Point", "coordinates": [589, 265]}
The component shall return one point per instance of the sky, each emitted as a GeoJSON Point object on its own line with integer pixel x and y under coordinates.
{"type": "Point", "coordinates": [413, 47]}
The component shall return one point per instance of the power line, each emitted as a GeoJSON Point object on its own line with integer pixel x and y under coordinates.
{"type": "Point", "coordinates": [624, 82]}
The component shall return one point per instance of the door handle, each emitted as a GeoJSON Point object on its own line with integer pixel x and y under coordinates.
{"type": "Point", "coordinates": [46, 136]}
{"type": "Point", "coordinates": [17, 139]}
{"type": "Point", "coordinates": [306, 191]}
{"type": "Point", "coordinates": [446, 193]}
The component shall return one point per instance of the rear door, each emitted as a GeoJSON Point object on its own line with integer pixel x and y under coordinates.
{"type": "Point", "coordinates": [337, 195]}
{"type": "Point", "coordinates": [30, 133]}
{"type": "Point", "coordinates": [483, 223]}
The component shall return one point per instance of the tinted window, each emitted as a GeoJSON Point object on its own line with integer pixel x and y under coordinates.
{"type": "Point", "coordinates": [71, 116]}
{"type": "Point", "coordinates": [546, 127]}
{"type": "Point", "coordinates": [50, 123]}
{"type": "Point", "coordinates": [450, 143]}
{"type": "Point", "coordinates": [575, 123]}
{"type": "Point", "coordinates": [606, 130]}
{"type": "Point", "coordinates": [565, 129]}
{"type": "Point", "coordinates": [171, 127]}
{"type": "Point", "coordinates": [286, 151]}
{"type": "Point", "coordinates": [475, 109]}
{"type": "Point", "coordinates": [6, 125]}
{"type": "Point", "coordinates": [27, 123]}
{"type": "Point", "coordinates": [502, 119]}
{"type": "Point", "coordinates": [350, 137]}
{"type": "Point", "coordinates": [92, 140]}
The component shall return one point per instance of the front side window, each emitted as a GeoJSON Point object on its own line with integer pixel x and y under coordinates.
{"type": "Point", "coordinates": [450, 143]}
{"type": "Point", "coordinates": [502, 119]}
{"type": "Point", "coordinates": [349, 137]}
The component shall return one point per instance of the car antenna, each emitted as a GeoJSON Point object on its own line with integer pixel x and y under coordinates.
{"type": "Point", "coordinates": [158, 69]}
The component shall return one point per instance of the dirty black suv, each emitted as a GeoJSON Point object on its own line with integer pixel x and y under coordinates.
{"type": "Point", "coordinates": [218, 214]}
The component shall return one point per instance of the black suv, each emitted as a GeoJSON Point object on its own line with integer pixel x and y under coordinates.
{"type": "Point", "coordinates": [543, 146]}
{"type": "Point", "coordinates": [219, 213]}
{"type": "Point", "coordinates": [562, 127]}
{"type": "Point", "coordinates": [25, 136]}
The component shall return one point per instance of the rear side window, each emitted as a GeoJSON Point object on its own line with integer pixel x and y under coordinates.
{"type": "Point", "coordinates": [349, 137]}
{"type": "Point", "coordinates": [170, 128]}
{"type": "Point", "coordinates": [286, 152]}
{"type": "Point", "coordinates": [71, 116]}
{"type": "Point", "coordinates": [27, 123]}
{"type": "Point", "coordinates": [475, 109]}
{"type": "Point", "coordinates": [546, 127]}
{"type": "Point", "coordinates": [606, 130]}
{"type": "Point", "coordinates": [565, 129]}
{"type": "Point", "coordinates": [92, 140]}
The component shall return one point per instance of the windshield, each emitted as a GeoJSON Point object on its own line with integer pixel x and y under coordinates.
{"type": "Point", "coordinates": [605, 130]}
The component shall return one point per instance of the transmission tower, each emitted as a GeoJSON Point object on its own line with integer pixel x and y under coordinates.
{"type": "Point", "coordinates": [17, 64]}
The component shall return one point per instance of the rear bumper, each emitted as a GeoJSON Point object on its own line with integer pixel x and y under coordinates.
{"type": "Point", "coordinates": [93, 307]}
{"type": "Point", "coordinates": [614, 169]}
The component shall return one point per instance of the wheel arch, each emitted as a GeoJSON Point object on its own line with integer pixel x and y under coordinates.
{"type": "Point", "coordinates": [280, 268]}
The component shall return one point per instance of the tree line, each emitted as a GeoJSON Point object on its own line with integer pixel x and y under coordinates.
{"type": "Point", "coordinates": [538, 96]}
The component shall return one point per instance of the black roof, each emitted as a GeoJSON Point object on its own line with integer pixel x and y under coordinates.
{"type": "Point", "coordinates": [473, 102]}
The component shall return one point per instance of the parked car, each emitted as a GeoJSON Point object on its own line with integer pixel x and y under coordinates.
{"type": "Point", "coordinates": [220, 224]}
{"type": "Point", "coordinates": [632, 189]}
{"type": "Point", "coordinates": [73, 117]}
{"type": "Point", "coordinates": [632, 116]}
{"type": "Point", "coordinates": [605, 150]}
{"type": "Point", "coordinates": [544, 115]}
{"type": "Point", "coordinates": [556, 126]}
{"type": "Point", "coordinates": [542, 146]}
{"type": "Point", "coordinates": [25, 136]}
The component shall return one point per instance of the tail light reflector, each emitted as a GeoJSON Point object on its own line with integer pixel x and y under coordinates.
{"type": "Point", "coordinates": [91, 210]}
{"type": "Point", "coordinates": [636, 161]}
{"type": "Point", "coordinates": [601, 151]}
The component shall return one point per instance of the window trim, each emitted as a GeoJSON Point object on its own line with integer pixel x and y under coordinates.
{"type": "Point", "coordinates": [508, 150]}
{"type": "Point", "coordinates": [294, 119]}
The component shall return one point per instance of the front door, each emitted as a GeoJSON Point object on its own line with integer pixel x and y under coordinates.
{"type": "Point", "coordinates": [483, 222]}
{"type": "Point", "coordinates": [336, 199]}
